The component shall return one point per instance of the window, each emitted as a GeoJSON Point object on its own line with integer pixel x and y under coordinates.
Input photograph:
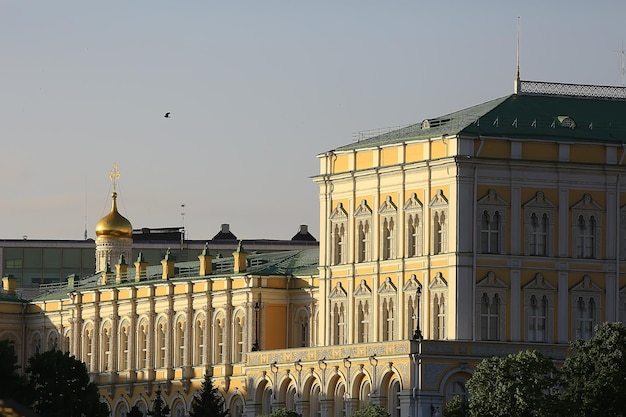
{"type": "Point", "coordinates": [161, 344]}
{"type": "Point", "coordinates": [440, 316]}
{"type": "Point", "coordinates": [438, 292]}
{"type": "Point", "coordinates": [439, 215]}
{"type": "Point", "coordinates": [179, 343]}
{"type": "Point", "coordinates": [537, 319]}
{"type": "Point", "coordinates": [142, 345]}
{"type": "Point", "coordinates": [238, 339]}
{"type": "Point", "coordinates": [388, 213]}
{"type": "Point", "coordinates": [586, 309]}
{"type": "Point", "coordinates": [363, 252]}
{"type": "Point", "coordinates": [199, 353]}
{"type": "Point", "coordinates": [338, 235]}
{"type": "Point", "coordinates": [218, 334]}
{"type": "Point", "coordinates": [339, 323]}
{"type": "Point", "coordinates": [363, 324]}
{"type": "Point", "coordinates": [586, 228]}
{"type": "Point", "coordinates": [301, 328]}
{"type": "Point", "coordinates": [491, 221]}
{"type": "Point", "coordinates": [490, 307]}
{"type": "Point", "coordinates": [539, 307]}
{"type": "Point", "coordinates": [363, 215]}
{"type": "Point", "coordinates": [387, 319]}
{"type": "Point", "coordinates": [489, 317]}
{"type": "Point", "coordinates": [539, 215]}
{"type": "Point", "coordinates": [124, 346]}
{"type": "Point", "coordinates": [105, 344]}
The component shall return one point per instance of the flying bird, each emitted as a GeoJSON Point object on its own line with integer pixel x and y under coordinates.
{"type": "Point", "coordinates": [167, 115]}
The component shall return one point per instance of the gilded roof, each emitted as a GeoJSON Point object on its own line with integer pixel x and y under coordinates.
{"type": "Point", "coordinates": [114, 224]}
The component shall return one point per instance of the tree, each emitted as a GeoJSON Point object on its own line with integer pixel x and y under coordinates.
{"type": "Point", "coordinates": [371, 410]}
{"type": "Point", "coordinates": [159, 407]}
{"type": "Point", "coordinates": [12, 384]}
{"type": "Point", "coordinates": [594, 376]}
{"type": "Point", "coordinates": [208, 402]}
{"type": "Point", "coordinates": [61, 386]}
{"type": "Point", "coordinates": [456, 407]}
{"type": "Point", "coordinates": [519, 385]}
{"type": "Point", "coordinates": [283, 412]}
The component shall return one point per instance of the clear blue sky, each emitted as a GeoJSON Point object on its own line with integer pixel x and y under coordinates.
{"type": "Point", "coordinates": [256, 90]}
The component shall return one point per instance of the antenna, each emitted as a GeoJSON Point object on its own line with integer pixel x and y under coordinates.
{"type": "Point", "coordinates": [517, 73]}
{"type": "Point", "coordinates": [85, 207]}
{"type": "Point", "coordinates": [622, 61]}
{"type": "Point", "coordinates": [182, 208]}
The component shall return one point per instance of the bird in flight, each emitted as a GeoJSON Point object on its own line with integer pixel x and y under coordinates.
{"type": "Point", "coordinates": [167, 115]}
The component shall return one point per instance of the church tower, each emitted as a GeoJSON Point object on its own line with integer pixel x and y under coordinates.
{"type": "Point", "coordinates": [114, 233]}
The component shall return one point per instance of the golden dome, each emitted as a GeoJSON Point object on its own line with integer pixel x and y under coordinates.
{"type": "Point", "coordinates": [114, 224]}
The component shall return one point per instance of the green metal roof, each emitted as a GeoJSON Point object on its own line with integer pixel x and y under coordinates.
{"type": "Point", "coordinates": [516, 116]}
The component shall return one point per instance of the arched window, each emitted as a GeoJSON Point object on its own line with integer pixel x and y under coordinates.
{"type": "Point", "coordinates": [363, 324]}
{"type": "Point", "coordinates": [218, 334]}
{"type": "Point", "coordinates": [142, 346]}
{"type": "Point", "coordinates": [490, 317]}
{"type": "Point", "coordinates": [179, 343]}
{"type": "Point", "coordinates": [387, 319]}
{"type": "Point", "coordinates": [161, 344]}
{"type": "Point", "coordinates": [124, 348]}
{"type": "Point", "coordinates": [238, 338]}
{"type": "Point", "coordinates": [199, 350]}
{"type": "Point", "coordinates": [537, 319]}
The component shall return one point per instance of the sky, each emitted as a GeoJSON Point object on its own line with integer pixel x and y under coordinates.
{"type": "Point", "coordinates": [256, 90]}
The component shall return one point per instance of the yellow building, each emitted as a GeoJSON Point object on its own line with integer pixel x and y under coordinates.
{"type": "Point", "coordinates": [492, 229]}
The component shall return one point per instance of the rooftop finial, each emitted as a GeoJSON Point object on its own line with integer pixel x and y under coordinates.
{"type": "Point", "coordinates": [114, 176]}
{"type": "Point", "coordinates": [517, 73]}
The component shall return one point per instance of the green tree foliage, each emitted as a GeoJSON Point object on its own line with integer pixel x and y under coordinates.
{"type": "Point", "coordinates": [519, 385]}
{"type": "Point", "coordinates": [371, 410]}
{"type": "Point", "coordinates": [208, 402]}
{"type": "Point", "coordinates": [594, 376]}
{"type": "Point", "coordinates": [456, 407]}
{"type": "Point", "coordinates": [61, 387]}
{"type": "Point", "coordinates": [283, 412]}
{"type": "Point", "coordinates": [159, 407]}
{"type": "Point", "coordinates": [12, 384]}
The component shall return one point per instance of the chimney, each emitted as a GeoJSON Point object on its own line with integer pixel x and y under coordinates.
{"type": "Point", "coordinates": [120, 269]}
{"type": "Point", "coordinates": [8, 284]}
{"type": "Point", "coordinates": [206, 261]}
{"type": "Point", "coordinates": [168, 265]}
{"type": "Point", "coordinates": [239, 259]}
{"type": "Point", "coordinates": [140, 267]}
{"type": "Point", "coordinates": [105, 274]}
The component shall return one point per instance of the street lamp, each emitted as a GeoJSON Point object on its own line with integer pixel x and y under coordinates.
{"type": "Point", "coordinates": [418, 332]}
{"type": "Point", "coordinates": [255, 345]}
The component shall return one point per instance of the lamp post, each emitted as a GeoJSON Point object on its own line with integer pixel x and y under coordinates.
{"type": "Point", "coordinates": [418, 332]}
{"type": "Point", "coordinates": [255, 345]}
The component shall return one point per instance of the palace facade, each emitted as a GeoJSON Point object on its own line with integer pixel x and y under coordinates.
{"type": "Point", "coordinates": [492, 229]}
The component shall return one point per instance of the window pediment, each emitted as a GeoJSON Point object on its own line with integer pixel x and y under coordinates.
{"type": "Point", "coordinates": [438, 282]}
{"type": "Point", "coordinates": [337, 292]}
{"type": "Point", "coordinates": [363, 210]}
{"type": "Point", "coordinates": [540, 201]}
{"type": "Point", "coordinates": [491, 280]}
{"type": "Point", "coordinates": [388, 206]}
{"type": "Point", "coordinates": [587, 204]}
{"type": "Point", "coordinates": [586, 285]}
{"type": "Point", "coordinates": [413, 203]}
{"type": "Point", "coordinates": [438, 200]}
{"type": "Point", "coordinates": [387, 287]}
{"type": "Point", "coordinates": [362, 290]}
{"type": "Point", "coordinates": [339, 213]}
{"type": "Point", "coordinates": [539, 283]}
{"type": "Point", "coordinates": [412, 285]}
{"type": "Point", "coordinates": [492, 199]}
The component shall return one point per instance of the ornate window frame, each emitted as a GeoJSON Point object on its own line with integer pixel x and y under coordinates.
{"type": "Point", "coordinates": [338, 315]}
{"type": "Point", "coordinates": [493, 290]}
{"type": "Point", "coordinates": [388, 215]}
{"type": "Point", "coordinates": [413, 225]}
{"type": "Point", "coordinates": [439, 215]}
{"type": "Point", "coordinates": [339, 235]}
{"type": "Point", "coordinates": [411, 313]}
{"type": "Point", "coordinates": [539, 220]}
{"type": "Point", "coordinates": [363, 225]}
{"type": "Point", "coordinates": [387, 302]}
{"type": "Point", "coordinates": [362, 301]}
{"type": "Point", "coordinates": [586, 305]}
{"type": "Point", "coordinates": [587, 228]}
{"type": "Point", "coordinates": [438, 290]}
{"type": "Point", "coordinates": [491, 220]}
{"type": "Point", "coordinates": [539, 310]}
